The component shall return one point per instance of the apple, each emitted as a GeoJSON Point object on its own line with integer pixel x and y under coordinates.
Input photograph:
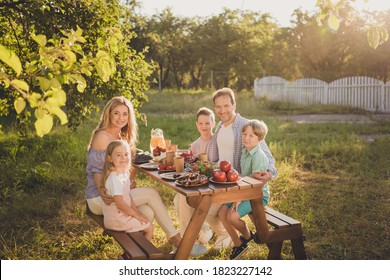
{"type": "Point", "coordinates": [225, 165]}
{"type": "Point", "coordinates": [219, 175]}
{"type": "Point", "coordinates": [232, 175]}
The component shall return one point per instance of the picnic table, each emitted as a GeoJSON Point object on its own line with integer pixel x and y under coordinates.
{"type": "Point", "coordinates": [202, 197]}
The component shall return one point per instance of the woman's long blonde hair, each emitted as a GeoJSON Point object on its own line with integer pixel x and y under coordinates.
{"type": "Point", "coordinates": [129, 132]}
{"type": "Point", "coordinates": [108, 166]}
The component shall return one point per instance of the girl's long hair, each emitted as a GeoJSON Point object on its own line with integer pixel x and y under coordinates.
{"type": "Point", "coordinates": [129, 132]}
{"type": "Point", "coordinates": [108, 167]}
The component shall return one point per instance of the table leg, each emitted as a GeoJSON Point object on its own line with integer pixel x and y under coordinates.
{"type": "Point", "coordinates": [260, 220]}
{"type": "Point", "coordinates": [193, 228]}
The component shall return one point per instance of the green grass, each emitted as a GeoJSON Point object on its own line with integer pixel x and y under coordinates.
{"type": "Point", "coordinates": [331, 180]}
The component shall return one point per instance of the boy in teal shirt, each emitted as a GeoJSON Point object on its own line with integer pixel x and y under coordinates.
{"type": "Point", "coordinates": [253, 159]}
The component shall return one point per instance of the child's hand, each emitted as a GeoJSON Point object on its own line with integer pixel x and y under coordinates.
{"type": "Point", "coordinates": [142, 218]}
{"type": "Point", "coordinates": [133, 183]}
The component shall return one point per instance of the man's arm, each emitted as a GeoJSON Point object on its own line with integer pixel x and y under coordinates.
{"type": "Point", "coordinates": [271, 160]}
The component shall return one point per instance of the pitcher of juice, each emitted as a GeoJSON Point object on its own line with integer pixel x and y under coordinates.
{"type": "Point", "coordinates": [156, 139]}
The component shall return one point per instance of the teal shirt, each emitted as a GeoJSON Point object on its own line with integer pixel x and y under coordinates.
{"type": "Point", "coordinates": [252, 161]}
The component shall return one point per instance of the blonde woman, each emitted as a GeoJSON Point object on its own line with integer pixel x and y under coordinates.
{"type": "Point", "coordinates": [118, 122]}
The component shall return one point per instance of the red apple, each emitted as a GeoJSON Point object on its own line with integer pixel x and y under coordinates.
{"type": "Point", "coordinates": [232, 175]}
{"type": "Point", "coordinates": [225, 165]}
{"type": "Point", "coordinates": [219, 175]}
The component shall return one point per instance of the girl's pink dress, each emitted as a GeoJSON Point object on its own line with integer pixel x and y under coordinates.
{"type": "Point", "coordinates": [115, 219]}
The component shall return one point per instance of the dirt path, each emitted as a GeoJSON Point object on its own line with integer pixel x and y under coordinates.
{"type": "Point", "coordinates": [342, 118]}
{"type": "Point", "coordinates": [337, 118]}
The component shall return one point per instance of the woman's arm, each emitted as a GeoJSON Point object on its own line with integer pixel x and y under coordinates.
{"type": "Point", "coordinates": [102, 190]}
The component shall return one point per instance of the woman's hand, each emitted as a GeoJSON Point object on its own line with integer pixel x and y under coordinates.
{"type": "Point", "coordinates": [107, 199]}
{"type": "Point", "coordinates": [263, 176]}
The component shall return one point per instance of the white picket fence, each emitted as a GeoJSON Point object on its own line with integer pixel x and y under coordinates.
{"type": "Point", "coordinates": [361, 92]}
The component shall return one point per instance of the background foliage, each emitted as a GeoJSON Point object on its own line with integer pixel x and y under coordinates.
{"type": "Point", "coordinates": [330, 179]}
{"type": "Point", "coordinates": [102, 65]}
{"type": "Point", "coordinates": [235, 47]}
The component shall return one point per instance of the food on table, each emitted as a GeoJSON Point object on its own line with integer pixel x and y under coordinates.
{"type": "Point", "coordinates": [188, 156]}
{"type": "Point", "coordinates": [163, 165]}
{"type": "Point", "coordinates": [158, 150]}
{"type": "Point", "coordinates": [141, 157]}
{"type": "Point", "coordinates": [156, 139]}
{"type": "Point", "coordinates": [225, 165]}
{"type": "Point", "coordinates": [203, 167]}
{"type": "Point", "coordinates": [219, 175]}
{"type": "Point", "coordinates": [232, 175]}
{"type": "Point", "coordinates": [225, 176]}
{"type": "Point", "coordinates": [192, 179]}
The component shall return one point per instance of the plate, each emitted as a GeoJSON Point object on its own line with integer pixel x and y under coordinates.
{"type": "Point", "coordinates": [223, 183]}
{"type": "Point", "coordinates": [150, 166]}
{"type": "Point", "coordinates": [190, 186]}
{"type": "Point", "coordinates": [165, 171]}
{"type": "Point", "coordinates": [169, 176]}
{"type": "Point", "coordinates": [140, 161]}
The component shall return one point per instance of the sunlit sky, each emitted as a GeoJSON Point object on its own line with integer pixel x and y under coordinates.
{"type": "Point", "coordinates": [281, 10]}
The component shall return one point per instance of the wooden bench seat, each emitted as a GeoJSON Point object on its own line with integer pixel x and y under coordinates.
{"type": "Point", "coordinates": [284, 228]}
{"type": "Point", "coordinates": [134, 244]}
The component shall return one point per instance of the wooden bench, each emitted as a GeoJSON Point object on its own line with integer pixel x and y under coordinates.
{"type": "Point", "coordinates": [134, 244]}
{"type": "Point", "coordinates": [284, 228]}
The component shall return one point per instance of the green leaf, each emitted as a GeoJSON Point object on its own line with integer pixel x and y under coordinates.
{"type": "Point", "coordinates": [384, 35]}
{"type": "Point", "coordinates": [114, 45]}
{"type": "Point", "coordinates": [373, 37]}
{"type": "Point", "coordinates": [20, 85]}
{"type": "Point", "coordinates": [81, 82]}
{"type": "Point", "coordinates": [71, 57]}
{"type": "Point", "coordinates": [11, 59]}
{"type": "Point", "coordinates": [33, 99]}
{"type": "Point", "coordinates": [85, 70]}
{"type": "Point", "coordinates": [40, 39]}
{"type": "Point", "coordinates": [56, 97]}
{"type": "Point", "coordinates": [102, 54]}
{"type": "Point", "coordinates": [44, 83]}
{"type": "Point", "coordinates": [100, 42]}
{"type": "Point", "coordinates": [44, 125]}
{"type": "Point", "coordinates": [104, 71]}
{"type": "Point", "coordinates": [19, 104]}
{"type": "Point", "coordinates": [78, 34]}
{"type": "Point", "coordinates": [54, 83]}
{"type": "Point", "coordinates": [118, 35]}
{"type": "Point", "coordinates": [59, 113]}
{"type": "Point", "coordinates": [333, 22]}
{"type": "Point", "coordinates": [40, 113]}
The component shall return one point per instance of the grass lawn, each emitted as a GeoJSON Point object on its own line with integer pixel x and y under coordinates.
{"type": "Point", "coordinates": [330, 179]}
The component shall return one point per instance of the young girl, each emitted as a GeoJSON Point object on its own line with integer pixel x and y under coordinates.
{"type": "Point", "coordinates": [253, 159]}
{"type": "Point", "coordinates": [122, 214]}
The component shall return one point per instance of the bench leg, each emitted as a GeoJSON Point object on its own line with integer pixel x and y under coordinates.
{"type": "Point", "coordinates": [299, 249]}
{"type": "Point", "coordinates": [124, 256]}
{"type": "Point", "coordinates": [275, 250]}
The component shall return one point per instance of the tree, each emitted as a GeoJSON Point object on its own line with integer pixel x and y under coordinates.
{"type": "Point", "coordinates": [51, 70]}
{"type": "Point", "coordinates": [333, 14]}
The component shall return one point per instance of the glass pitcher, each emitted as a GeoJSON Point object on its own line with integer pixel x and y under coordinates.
{"type": "Point", "coordinates": [156, 139]}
